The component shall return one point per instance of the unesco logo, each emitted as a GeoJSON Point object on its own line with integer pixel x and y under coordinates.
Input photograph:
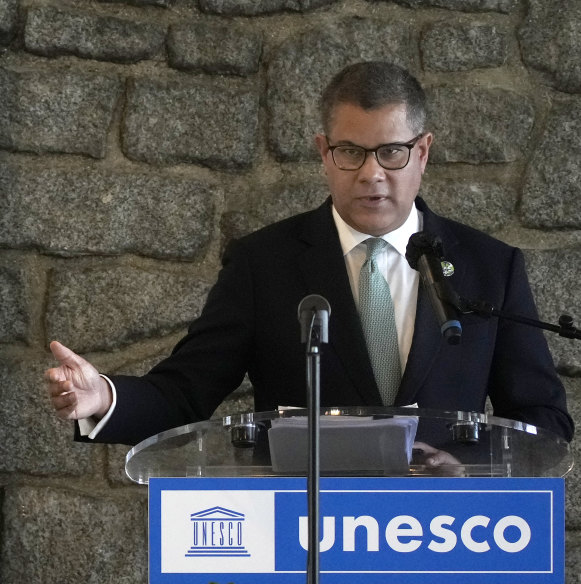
{"type": "Point", "coordinates": [217, 532]}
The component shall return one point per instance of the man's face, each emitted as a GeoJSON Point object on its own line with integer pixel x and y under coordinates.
{"type": "Point", "coordinates": [372, 199]}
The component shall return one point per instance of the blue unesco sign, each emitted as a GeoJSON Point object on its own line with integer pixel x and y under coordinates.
{"type": "Point", "coordinates": [385, 530]}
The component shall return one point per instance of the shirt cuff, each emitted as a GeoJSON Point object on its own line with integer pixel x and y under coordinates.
{"type": "Point", "coordinates": [89, 426]}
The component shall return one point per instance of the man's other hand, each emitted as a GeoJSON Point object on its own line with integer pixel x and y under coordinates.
{"type": "Point", "coordinates": [76, 389]}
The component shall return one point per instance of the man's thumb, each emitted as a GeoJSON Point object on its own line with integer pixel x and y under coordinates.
{"type": "Point", "coordinates": [65, 356]}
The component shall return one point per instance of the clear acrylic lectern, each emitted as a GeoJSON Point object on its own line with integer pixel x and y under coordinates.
{"type": "Point", "coordinates": [355, 441]}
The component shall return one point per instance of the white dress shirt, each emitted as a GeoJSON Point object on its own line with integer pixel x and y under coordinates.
{"type": "Point", "coordinates": [402, 279]}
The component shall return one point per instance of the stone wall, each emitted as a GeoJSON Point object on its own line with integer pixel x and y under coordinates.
{"type": "Point", "coordinates": [137, 137]}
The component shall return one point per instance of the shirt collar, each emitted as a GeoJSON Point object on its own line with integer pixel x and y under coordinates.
{"type": "Point", "coordinates": [350, 238]}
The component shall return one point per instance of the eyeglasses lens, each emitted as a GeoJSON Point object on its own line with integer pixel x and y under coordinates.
{"type": "Point", "coordinates": [389, 156]}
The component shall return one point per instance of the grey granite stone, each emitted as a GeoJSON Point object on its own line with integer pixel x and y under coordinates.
{"type": "Point", "coordinates": [56, 111]}
{"type": "Point", "coordinates": [107, 307]}
{"type": "Point", "coordinates": [278, 202]}
{"type": "Point", "coordinates": [573, 557]}
{"type": "Point", "coordinates": [552, 186]}
{"type": "Point", "coordinates": [289, 198]}
{"type": "Point", "coordinates": [32, 439]}
{"type": "Point", "coordinates": [214, 48]}
{"type": "Point", "coordinates": [253, 8]}
{"type": "Point", "coordinates": [573, 479]}
{"type": "Point", "coordinates": [14, 301]}
{"type": "Point", "coordinates": [53, 535]}
{"type": "Point", "coordinates": [239, 402]}
{"type": "Point", "coordinates": [302, 66]}
{"type": "Point", "coordinates": [8, 19]}
{"type": "Point", "coordinates": [235, 224]}
{"type": "Point", "coordinates": [503, 6]}
{"type": "Point", "coordinates": [116, 455]}
{"type": "Point", "coordinates": [162, 3]}
{"type": "Point", "coordinates": [213, 123]}
{"type": "Point", "coordinates": [50, 32]}
{"type": "Point", "coordinates": [551, 42]}
{"type": "Point", "coordinates": [554, 279]}
{"type": "Point", "coordinates": [458, 47]}
{"type": "Point", "coordinates": [478, 125]}
{"type": "Point", "coordinates": [483, 205]}
{"type": "Point", "coordinates": [90, 210]}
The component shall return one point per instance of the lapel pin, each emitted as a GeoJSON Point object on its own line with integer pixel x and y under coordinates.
{"type": "Point", "coordinates": [447, 268]}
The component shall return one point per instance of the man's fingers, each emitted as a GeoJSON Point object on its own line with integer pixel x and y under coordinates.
{"type": "Point", "coordinates": [64, 400]}
{"type": "Point", "coordinates": [60, 387]}
{"type": "Point", "coordinates": [54, 375]}
{"type": "Point", "coordinates": [65, 356]}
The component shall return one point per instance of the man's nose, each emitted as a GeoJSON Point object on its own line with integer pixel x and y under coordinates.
{"type": "Point", "coordinates": [371, 171]}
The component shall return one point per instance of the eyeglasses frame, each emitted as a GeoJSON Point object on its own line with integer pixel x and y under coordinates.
{"type": "Point", "coordinates": [409, 145]}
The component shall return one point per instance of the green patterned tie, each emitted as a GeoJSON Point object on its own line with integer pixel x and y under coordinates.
{"type": "Point", "coordinates": [378, 321]}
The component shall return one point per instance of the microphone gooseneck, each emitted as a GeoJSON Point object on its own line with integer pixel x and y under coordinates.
{"type": "Point", "coordinates": [424, 253]}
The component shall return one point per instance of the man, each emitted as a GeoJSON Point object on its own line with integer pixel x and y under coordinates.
{"type": "Point", "coordinates": [374, 152]}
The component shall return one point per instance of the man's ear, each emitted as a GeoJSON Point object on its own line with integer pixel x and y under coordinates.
{"type": "Point", "coordinates": [322, 145]}
{"type": "Point", "coordinates": [424, 149]}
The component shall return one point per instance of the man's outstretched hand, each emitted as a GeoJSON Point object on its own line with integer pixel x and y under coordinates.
{"type": "Point", "coordinates": [76, 389]}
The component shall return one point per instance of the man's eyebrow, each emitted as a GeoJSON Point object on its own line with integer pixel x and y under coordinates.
{"type": "Point", "coordinates": [346, 143]}
{"type": "Point", "coordinates": [349, 143]}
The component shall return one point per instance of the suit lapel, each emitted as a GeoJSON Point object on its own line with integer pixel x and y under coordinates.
{"type": "Point", "coordinates": [323, 268]}
{"type": "Point", "coordinates": [427, 338]}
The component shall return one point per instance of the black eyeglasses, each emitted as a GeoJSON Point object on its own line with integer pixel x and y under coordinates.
{"type": "Point", "coordinates": [392, 156]}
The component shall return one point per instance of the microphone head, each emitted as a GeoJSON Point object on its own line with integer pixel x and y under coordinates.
{"type": "Point", "coordinates": [421, 243]}
{"type": "Point", "coordinates": [313, 303]}
{"type": "Point", "coordinates": [314, 312]}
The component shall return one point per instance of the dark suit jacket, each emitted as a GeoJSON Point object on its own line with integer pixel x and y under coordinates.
{"type": "Point", "coordinates": [250, 324]}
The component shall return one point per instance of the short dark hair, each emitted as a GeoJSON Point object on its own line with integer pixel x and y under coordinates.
{"type": "Point", "coordinates": [374, 84]}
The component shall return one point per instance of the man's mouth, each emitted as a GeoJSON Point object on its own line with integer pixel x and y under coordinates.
{"type": "Point", "coordinates": [373, 198]}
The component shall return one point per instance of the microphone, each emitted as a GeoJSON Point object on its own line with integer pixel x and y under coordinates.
{"type": "Point", "coordinates": [314, 312]}
{"type": "Point", "coordinates": [424, 253]}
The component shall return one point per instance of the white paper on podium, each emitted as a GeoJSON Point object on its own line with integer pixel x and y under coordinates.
{"type": "Point", "coordinates": [347, 444]}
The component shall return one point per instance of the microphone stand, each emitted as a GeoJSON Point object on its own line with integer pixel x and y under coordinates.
{"type": "Point", "coordinates": [313, 314]}
{"type": "Point", "coordinates": [565, 327]}
{"type": "Point", "coordinates": [314, 470]}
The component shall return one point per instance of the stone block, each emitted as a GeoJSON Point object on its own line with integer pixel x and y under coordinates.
{"type": "Point", "coordinates": [478, 125]}
{"type": "Point", "coordinates": [550, 38]}
{"type": "Point", "coordinates": [457, 47]}
{"type": "Point", "coordinates": [483, 205]}
{"type": "Point", "coordinates": [278, 202]}
{"type": "Point", "coordinates": [214, 48]}
{"type": "Point", "coordinates": [573, 557]}
{"type": "Point", "coordinates": [86, 209]}
{"type": "Point", "coordinates": [503, 6]}
{"type": "Point", "coordinates": [213, 123]}
{"type": "Point", "coordinates": [573, 479]}
{"type": "Point", "coordinates": [162, 3]}
{"type": "Point", "coordinates": [8, 19]}
{"type": "Point", "coordinates": [239, 402]}
{"type": "Point", "coordinates": [54, 535]}
{"type": "Point", "coordinates": [288, 198]}
{"type": "Point", "coordinates": [51, 31]}
{"type": "Point", "coordinates": [15, 300]}
{"type": "Point", "coordinates": [554, 279]}
{"type": "Point", "coordinates": [105, 307]}
{"type": "Point", "coordinates": [32, 439]}
{"type": "Point", "coordinates": [552, 186]}
{"type": "Point", "coordinates": [116, 454]}
{"type": "Point", "coordinates": [253, 8]}
{"type": "Point", "coordinates": [297, 75]}
{"type": "Point", "coordinates": [53, 111]}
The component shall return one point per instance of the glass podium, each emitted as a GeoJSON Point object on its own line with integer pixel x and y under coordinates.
{"type": "Point", "coordinates": [354, 441]}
